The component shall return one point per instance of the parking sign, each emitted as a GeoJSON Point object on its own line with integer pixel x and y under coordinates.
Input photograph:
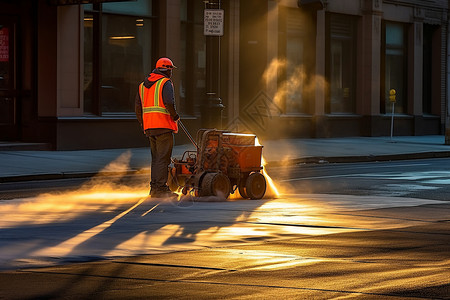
{"type": "Point", "coordinates": [213, 22]}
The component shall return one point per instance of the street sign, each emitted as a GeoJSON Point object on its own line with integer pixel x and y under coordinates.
{"type": "Point", "coordinates": [213, 22]}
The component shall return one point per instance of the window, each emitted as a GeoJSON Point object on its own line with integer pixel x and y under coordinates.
{"type": "Point", "coordinates": [124, 60]}
{"type": "Point", "coordinates": [394, 67]}
{"type": "Point", "coordinates": [292, 57]}
{"type": "Point", "coordinates": [89, 106]}
{"type": "Point", "coordinates": [341, 64]}
{"type": "Point", "coordinates": [117, 54]}
{"type": "Point", "coordinates": [193, 58]}
{"type": "Point", "coordinates": [431, 70]}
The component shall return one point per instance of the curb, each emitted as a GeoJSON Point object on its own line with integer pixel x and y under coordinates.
{"type": "Point", "coordinates": [56, 176]}
{"type": "Point", "coordinates": [357, 159]}
{"type": "Point", "coordinates": [295, 161]}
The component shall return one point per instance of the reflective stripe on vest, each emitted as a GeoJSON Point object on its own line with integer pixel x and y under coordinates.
{"type": "Point", "coordinates": [154, 113]}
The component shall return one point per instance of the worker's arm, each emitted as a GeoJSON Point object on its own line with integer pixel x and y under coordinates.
{"type": "Point", "coordinates": [169, 100]}
{"type": "Point", "coordinates": [138, 109]}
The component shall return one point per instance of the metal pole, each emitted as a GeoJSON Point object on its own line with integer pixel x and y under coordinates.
{"type": "Point", "coordinates": [392, 120]}
{"type": "Point", "coordinates": [187, 133]}
{"type": "Point", "coordinates": [212, 110]}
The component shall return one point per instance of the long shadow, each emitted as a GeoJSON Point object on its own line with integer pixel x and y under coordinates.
{"type": "Point", "coordinates": [103, 230]}
{"type": "Point", "coordinates": [147, 218]}
{"type": "Point", "coordinates": [186, 220]}
{"type": "Point", "coordinates": [365, 243]}
{"type": "Point", "coordinates": [152, 215]}
{"type": "Point", "coordinates": [22, 241]}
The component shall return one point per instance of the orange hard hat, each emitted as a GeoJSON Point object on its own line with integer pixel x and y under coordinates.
{"type": "Point", "coordinates": [164, 63]}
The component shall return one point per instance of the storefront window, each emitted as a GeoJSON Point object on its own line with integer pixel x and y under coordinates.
{"type": "Point", "coordinates": [88, 63]}
{"type": "Point", "coordinates": [395, 67]}
{"type": "Point", "coordinates": [138, 8]}
{"type": "Point", "coordinates": [294, 59]}
{"type": "Point", "coordinates": [341, 66]}
{"type": "Point", "coordinates": [193, 58]}
{"type": "Point", "coordinates": [294, 75]}
{"type": "Point", "coordinates": [431, 71]}
{"type": "Point", "coordinates": [125, 40]}
{"type": "Point", "coordinates": [124, 53]}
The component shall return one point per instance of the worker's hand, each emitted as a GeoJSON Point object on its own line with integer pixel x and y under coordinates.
{"type": "Point", "coordinates": [176, 118]}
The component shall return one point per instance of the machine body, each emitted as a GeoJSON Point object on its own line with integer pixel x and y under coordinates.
{"type": "Point", "coordinates": [223, 162]}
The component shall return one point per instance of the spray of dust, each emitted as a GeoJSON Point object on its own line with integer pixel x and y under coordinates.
{"type": "Point", "coordinates": [103, 193]}
{"type": "Point", "coordinates": [299, 81]}
{"type": "Point", "coordinates": [293, 86]}
{"type": "Point", "coordinates": [292, 71]}
{"type": "Point", "coordinates": [105, 187]}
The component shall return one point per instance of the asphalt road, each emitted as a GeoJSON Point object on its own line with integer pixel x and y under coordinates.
{"type": "Point", "coordinates": [424, 178]}
{"type": "Point", "coordinates": [371, 231]}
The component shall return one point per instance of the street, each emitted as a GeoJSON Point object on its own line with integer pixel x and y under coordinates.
{"type": "Point", "coordinates": [363, 230]}
{"type": "Point", "coordinates": [297, 149]}
{"type": "Point", "coordinates": [425, 178]}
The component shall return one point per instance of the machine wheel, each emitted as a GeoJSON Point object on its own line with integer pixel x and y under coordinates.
{"type": "Point", "coordinates": [255, 186]}
{"type": "Point", "coordinates": [215, 184]}
{"type": "Point", "coordinates": [241, 188]}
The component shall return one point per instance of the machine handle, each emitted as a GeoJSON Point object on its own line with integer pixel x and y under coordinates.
{"type": "Point", "coordinates": [187, 133]}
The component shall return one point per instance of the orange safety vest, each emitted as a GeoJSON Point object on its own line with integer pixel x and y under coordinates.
{"type": "Point", "coordinates": [154, 112]}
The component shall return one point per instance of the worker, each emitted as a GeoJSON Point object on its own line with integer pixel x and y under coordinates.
{"type": "Point", "coordinates": [156, 112]}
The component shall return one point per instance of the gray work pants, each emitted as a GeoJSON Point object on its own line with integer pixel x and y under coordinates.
{"type": "Point", "coordinates": [161, 147]}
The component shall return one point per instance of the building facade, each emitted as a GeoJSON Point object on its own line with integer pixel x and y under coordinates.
{"type": "Point", "coordinates": [69, 69]}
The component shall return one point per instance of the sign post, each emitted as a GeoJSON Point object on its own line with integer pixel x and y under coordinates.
{"type": "Point", "coordinates": [213, 30]}
{"type": "Point", "coordinates": [392, 99]}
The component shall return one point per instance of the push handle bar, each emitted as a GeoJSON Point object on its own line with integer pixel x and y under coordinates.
{"type": "Point", "coordinates": [187, 133]}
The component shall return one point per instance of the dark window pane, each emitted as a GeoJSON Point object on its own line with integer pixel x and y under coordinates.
{"type": "Point", "coordinates": [126, 57]}
{"type": "Point", "coordinates": [138, 7]}
{"type": "Point", "coordinates": [125, 48]}
{"type": "Point", "coordinates": [192, 68]}
{"type": "Point", "coordinates": [342, 64]}
{"type": "Point", "coordinates": [293, 76]}
{"type": "Point", "coordinates": [395, 67]}
{"type": "Point", "coordinates": [88, 63]}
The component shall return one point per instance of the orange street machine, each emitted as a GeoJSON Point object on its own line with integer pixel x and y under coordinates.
{"type": "Point", "coordinates": [223, 162]}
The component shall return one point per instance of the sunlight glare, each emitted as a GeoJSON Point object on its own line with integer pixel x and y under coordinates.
{"type": "Point", "coordinates": [272, 190]}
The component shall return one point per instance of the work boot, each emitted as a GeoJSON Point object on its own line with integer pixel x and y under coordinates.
{"type": "Point", "coordinates": [164, 192]}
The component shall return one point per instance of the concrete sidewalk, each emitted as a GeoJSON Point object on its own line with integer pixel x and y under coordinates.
{"type": "Point", "coordinates": [36, 165]}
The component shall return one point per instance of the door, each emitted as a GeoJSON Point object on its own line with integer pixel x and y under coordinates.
{"type": "Point", "coordinates": [8, 85]}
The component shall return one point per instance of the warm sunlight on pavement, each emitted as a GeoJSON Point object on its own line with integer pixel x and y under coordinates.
{"type": "Point", "coordinates": [114, 221]}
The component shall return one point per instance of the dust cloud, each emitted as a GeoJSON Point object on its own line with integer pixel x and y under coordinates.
{"type": "Point", "coordinates": [101, 194]}
{"type": "Point", "coordinates": [104, 193]}
{"type": "Point", "coordinates": [299, 81]}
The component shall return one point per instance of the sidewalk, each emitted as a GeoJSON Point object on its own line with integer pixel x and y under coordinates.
{"type": "Point", "coordinates": [36, 165]}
